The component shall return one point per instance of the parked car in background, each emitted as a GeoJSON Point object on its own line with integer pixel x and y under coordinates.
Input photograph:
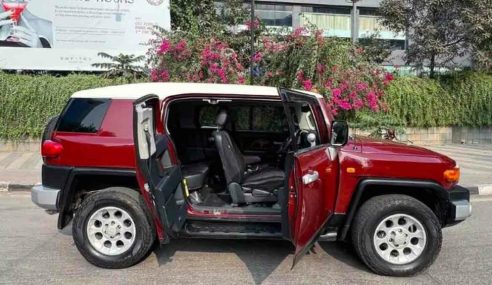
{"type": "Point", "coordinates": [134, 163]}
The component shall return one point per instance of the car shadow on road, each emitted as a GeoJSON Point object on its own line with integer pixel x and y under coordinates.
{"type": "Point", "coordinates": [343, 252]}
{"type": "Point", "coordinates": [261, 257]}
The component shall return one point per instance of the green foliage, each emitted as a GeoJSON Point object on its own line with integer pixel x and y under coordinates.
{"type": "Point", "coordinates": [206, 17]}
{"type": "Point", "coordinates": [122, 65]}
{"type": "Point", "coordinates": [460, 99]}
{"type": "Point", "coordinates": [439, 30]}
{"type": "Point", "coordinates": [27, 102]}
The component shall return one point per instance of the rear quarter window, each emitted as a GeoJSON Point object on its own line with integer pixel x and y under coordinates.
{"type": "Point", "coordinates": [83, 115]}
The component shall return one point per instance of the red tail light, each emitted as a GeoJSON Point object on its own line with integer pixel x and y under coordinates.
{"type": "Point", "coordinates": [51, 149]}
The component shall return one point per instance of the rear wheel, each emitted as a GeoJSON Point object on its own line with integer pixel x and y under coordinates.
{"type": "Point", "coordinates": [396, 235]}
{"type": "Point", "coordinates": [111, 229]}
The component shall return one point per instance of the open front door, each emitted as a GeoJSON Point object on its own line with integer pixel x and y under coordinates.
{"type": "Point", "coordinates": [313, 179]}
{"type": "Point", "coordinates": [157, 174]}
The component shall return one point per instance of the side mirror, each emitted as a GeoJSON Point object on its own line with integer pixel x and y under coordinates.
{"type": "Point", "coordinates": [339, 133]}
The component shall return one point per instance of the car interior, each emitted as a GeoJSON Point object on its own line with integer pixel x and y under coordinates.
{"type": "Point", "coordinates": [233, 153]}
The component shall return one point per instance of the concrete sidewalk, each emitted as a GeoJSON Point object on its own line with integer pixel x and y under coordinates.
{"type": "Point", "coordinates": [21, 170]}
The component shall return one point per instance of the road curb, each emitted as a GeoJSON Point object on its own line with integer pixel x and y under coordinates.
{"type": "Point", "coordinates": [485, 189]}
{"type": "Point", "coordinates": [15, 187]}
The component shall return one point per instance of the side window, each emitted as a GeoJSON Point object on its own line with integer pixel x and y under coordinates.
{"type": "Point", "coordinates": [84, 115]}
{"type": "Point", "coordinates": [269, 119]}
{"type": "Point", "coordinates": [207, 115]}
{"type": "Point", "coordinates": [241, 115]}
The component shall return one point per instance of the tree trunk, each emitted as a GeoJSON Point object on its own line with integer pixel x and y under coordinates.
{"type": "Point", "coordinates": [432, 65]}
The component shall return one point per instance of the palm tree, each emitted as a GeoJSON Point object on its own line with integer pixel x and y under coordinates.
{"type": "Point", "coordinates": [122, 65]}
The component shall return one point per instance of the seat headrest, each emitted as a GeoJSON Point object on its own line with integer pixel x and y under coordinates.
{"type": "Point", "coordinates": [221, 118]}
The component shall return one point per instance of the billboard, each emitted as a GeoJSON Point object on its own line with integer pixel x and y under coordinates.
{"type": "Point", "coordinates": [68, 34]}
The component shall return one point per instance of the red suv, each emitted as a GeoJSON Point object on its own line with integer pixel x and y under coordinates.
{"type": "Point", "coordinates": [134, 163]}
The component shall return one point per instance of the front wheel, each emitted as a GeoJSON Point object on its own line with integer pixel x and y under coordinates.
{"type": "Point", "coordinates": [111, 228]}
{"type": "Point", "coordinates": [396, 235]}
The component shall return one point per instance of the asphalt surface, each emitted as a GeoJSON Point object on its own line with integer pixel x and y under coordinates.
{"type": "Point", "coordinates": [32, 250]}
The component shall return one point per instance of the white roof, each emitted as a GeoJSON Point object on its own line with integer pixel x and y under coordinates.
{"type": "Point", "coordinates": [163, 90]}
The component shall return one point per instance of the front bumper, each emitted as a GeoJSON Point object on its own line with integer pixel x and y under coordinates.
{"type": "Point", "coordinates": [459, 206]}
{"type": "Point", "coordinates": [45, 197]}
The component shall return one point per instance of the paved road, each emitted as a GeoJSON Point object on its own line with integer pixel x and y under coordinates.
{"type": "Point", "coordinates": [33, 251]}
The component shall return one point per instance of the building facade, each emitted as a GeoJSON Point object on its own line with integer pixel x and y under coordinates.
{"type": "Point", "coordinates": [334, 17]}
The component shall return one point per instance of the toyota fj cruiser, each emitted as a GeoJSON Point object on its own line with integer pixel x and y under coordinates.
{"type": "Point", "coordinates": [137, 163]}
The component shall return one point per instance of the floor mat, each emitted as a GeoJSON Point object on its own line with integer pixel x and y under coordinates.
{"type": "Point", "coordinates": [214, 200]}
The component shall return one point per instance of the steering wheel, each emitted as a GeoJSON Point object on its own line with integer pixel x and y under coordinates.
{"type": "Point", "coordinates": [288, 142]}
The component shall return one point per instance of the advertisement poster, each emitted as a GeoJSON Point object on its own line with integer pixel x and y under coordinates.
{"type": "Point", "coordinates": [68, 34]}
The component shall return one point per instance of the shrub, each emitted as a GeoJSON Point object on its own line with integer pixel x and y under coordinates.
{"type": "Point", "coordinates": [458, 99]}
{"type": "Point", "coordinates": [300, 59]}
{"type": "Point", "coordinates": [27, 102]}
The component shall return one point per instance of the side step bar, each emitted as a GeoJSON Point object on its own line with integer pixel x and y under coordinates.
{"type": "Point", "coordinates": [195, 229]}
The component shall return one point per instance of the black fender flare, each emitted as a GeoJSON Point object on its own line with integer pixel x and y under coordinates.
{"type": "Point", "coordinates": [362, 186]}
{"type": "Point", "coordinates": [68, 191]}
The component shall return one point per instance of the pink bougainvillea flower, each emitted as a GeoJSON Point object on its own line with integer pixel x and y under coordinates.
{"type": "Point", "coordinates": [154, 75]}
{"type": "Point", "coordinates": [361, 86]}
{"type": "Point", "coordinates": [320, 68]}
{"type": "Point", "coordinates": [255, 24]}
{"type": "Point", "coordinates": [336, 92]}
{"type": "Point", "coordinates": [298, 32]}
{"type": "Point", "coordinates": [358, 104]}
{"type": "Point", "coordinates": [165, 76]}
{"type": "Point", "coordinates": [388, 76]}
{"type": "Point", "coordinates": [181, 45]}
{"type": "Point", "coordinates": [300, 75]}
{"type": "Point", "coordinates": [372, 100]}
{"type": "Point", "coordinates": [307, 85]}
{"type": "Point", "coordinates": [257, 57]}
{"type": "Point", "coordinates": [344, 105]}
{"type": "Point", "coordinates": [164, 47]}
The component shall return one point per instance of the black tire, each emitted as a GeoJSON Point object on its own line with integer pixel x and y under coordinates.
{"type": "Point", "coordinates": [124, 199]}
{"type": "Point", "coordinates": [373, 212]}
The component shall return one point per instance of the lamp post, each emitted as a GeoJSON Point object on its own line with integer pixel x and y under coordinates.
{"type": "Point", "coordinates": [252, 29]}
{"type": "Point", "coordinates": [353, 19]}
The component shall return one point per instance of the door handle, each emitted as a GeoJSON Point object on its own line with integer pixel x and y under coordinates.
{"type": "Point", "coordinates": [310, 177]}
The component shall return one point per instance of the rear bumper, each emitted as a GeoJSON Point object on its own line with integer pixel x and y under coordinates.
{"type": "Point", "coordinates": [45, 197]}
{"type": "Point", "coordinates": [459, 206]}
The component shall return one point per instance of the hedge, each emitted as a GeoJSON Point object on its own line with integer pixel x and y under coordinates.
{"type": "Point", "coordinates": [27, 102]}
{"type": "Point", "coordinates": [462, 99]}
{"type": "Point", "coordinates": [459, 99]}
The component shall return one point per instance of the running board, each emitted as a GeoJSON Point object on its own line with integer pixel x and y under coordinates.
{"type": "Point", "coordinates": [231, 230]}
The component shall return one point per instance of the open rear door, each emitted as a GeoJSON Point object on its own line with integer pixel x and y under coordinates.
{"type": "Point", "coordinates": [312, 184]}
{"type": "Point", "coordinates": [157, 175]}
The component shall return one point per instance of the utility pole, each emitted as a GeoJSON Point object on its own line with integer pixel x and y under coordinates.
{"type": "Point", "coordinates": [354, 29]}
{"type": "Point", "coordinates": [252, 29]}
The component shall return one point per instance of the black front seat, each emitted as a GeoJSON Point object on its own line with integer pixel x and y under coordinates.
{"type": "Point", "coordinates": [244, 186]}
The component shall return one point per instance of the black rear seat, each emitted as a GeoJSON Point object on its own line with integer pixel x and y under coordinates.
{"type": "Point", "coordinates": [195, 174]}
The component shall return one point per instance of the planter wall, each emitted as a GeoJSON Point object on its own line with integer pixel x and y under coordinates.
{"type": "Point", "coordinates": [442, 135]}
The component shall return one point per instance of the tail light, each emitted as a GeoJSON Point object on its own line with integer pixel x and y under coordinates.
{"type": "Point", "coordinates": [51, 149]}
{"type": "Point", "coordinates": [452, 175]}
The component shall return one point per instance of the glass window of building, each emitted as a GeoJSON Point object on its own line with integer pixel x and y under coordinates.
{"type": "Point", "coordinates": [334, 21]}
{"type": "Point", "coordinates": [274, 15]}
{"type": "Point", "coordinates": [370, 24]}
